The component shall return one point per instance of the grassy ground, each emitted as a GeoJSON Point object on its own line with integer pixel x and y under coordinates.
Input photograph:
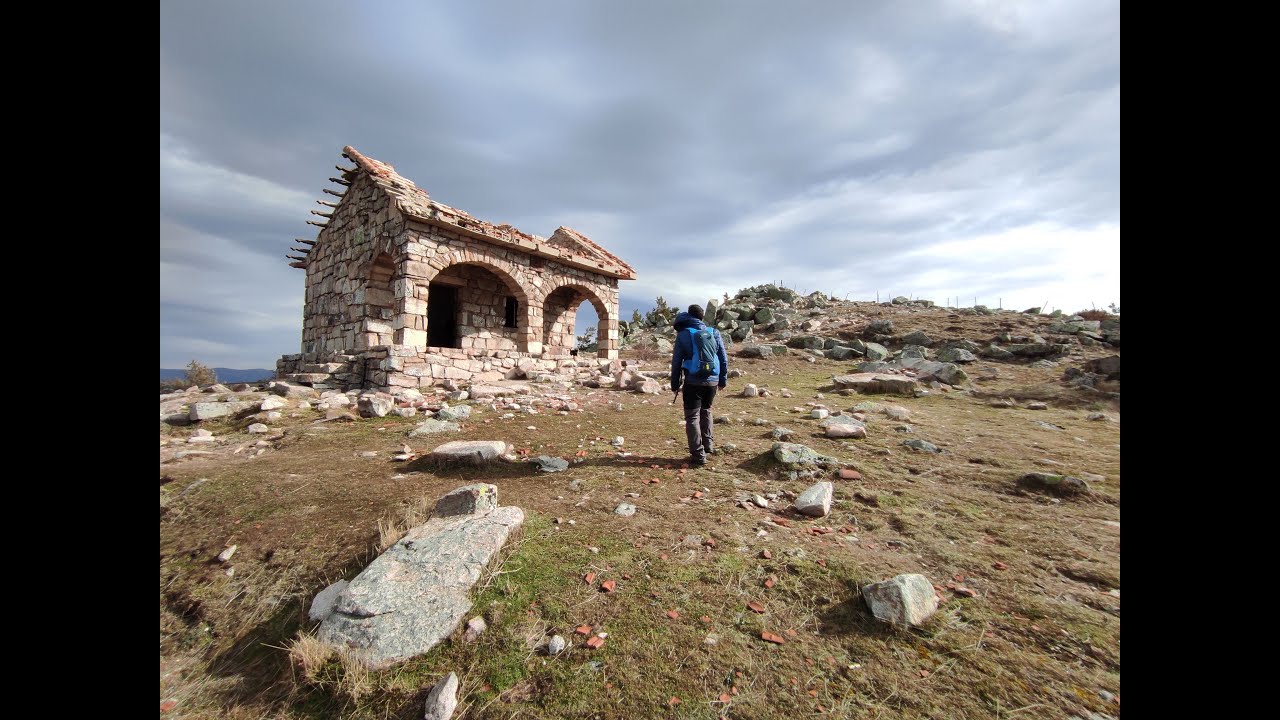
{"type": "Point", "coordinates": [1039, 640]}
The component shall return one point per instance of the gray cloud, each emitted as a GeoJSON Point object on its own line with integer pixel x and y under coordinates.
{"type": "Point", "coordinates": [962, 147]}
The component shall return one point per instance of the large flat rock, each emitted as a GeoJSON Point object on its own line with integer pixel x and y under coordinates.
{"type": "Point", "coordinates": [877, 383]}
{"type": "Point", "coordinates": [470, 451]}
{"type": "Point", "coordinates": [416, 593]}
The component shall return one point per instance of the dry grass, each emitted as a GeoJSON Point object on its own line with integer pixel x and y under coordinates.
{"type": "Point", "coordinates": [1038, 641]}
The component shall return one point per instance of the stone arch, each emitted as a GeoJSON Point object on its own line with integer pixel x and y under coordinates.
{"type": "Point", "coordinates": [559, 311]}
{"type": "Point", "coordinates": [485, 290]}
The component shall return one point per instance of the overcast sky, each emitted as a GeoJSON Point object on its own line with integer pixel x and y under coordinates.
{"type": "Point", "coordinates": [964, 148]}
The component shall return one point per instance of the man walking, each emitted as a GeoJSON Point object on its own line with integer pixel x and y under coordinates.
{"type": "Point", "coordinates": [698, 361]}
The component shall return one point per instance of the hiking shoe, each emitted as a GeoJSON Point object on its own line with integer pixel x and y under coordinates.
{"type": "Point", "coordinates": [709, 449]}
{"type": "Point", "coordinates": [698, 460]}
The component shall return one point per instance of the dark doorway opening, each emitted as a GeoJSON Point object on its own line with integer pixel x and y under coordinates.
{"type": "Point", "coordinates": [442, 316]}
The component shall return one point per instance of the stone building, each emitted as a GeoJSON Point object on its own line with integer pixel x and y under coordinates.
{"type": "Point", "coordinates": [403, 291]}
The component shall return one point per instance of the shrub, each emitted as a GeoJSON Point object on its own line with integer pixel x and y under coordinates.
{"type": "Point", "coordinates": [202, 375]}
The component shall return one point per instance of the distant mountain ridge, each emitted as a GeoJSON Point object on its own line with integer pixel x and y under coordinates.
{"type": "Point", "coordinates": [225, 375]}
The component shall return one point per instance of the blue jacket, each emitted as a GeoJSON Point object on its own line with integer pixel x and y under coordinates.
{"type": "Point", "coordinates": [683, 350]}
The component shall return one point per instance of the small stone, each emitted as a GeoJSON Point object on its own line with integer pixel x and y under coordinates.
{"type": "Point", "coordinates": [225, 555]}
{"type": "Point", "coordinates": [443, 699]}
{"type": "Point", "coordinates": [556, 645]}
{"type": "Point", "coordinates": [625, 510]}
{"type": "Point", "coordinates": [475, 628]}
{"type": "Point", "coordinates": [547, 463]}
{"type": "Point", "coordinates": [618, 441]}
{"type": "Point", "coordinates": [922, 446]}
{"type": "Point", "coordinates": [759, 501]}
{"type": "Point", "coordinates": [904, 600]}
{"type": "Point", "coordinates": [1037, 406]}
{"type": "Point", "coordinates": [847, 474]}
{"type": "Point", "coordinates": [750, 390]}
{"type": "Point", "coordinates": [820, 413]}
{"type": "Point", "coordinates": [816, 500]}
{"type": "Point", "coordinates": [258, 429]}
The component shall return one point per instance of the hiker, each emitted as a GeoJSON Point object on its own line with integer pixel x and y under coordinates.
{"type": "Point", "coordinates": [698, 361]}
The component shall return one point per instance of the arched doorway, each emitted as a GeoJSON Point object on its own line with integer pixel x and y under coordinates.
{"type": "Point", "coordinates": [560, 312]}
{"type": "Point", "coordinates": [474, 306]}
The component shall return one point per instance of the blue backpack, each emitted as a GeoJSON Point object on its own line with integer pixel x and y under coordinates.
{"type": "Point", "coordinates": [705, 361]}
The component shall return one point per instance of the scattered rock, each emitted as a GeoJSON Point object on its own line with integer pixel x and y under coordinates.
{"type": "Point", "coordinates": [625, 510]}
{"type": "Point", "coordinates": [873, 383]}
{"type": "Point", "coordinates": [1055, 484]}
{"type": "Point", "coordinates": [272, 403]}
{"type": "Point", "coordinates": [750, 390]}
{"type": "Point", "coordinates": [550, 464]}
{"type": "Point", "coordinates": [475, 628]}
{"type": "Point", "coordinates": [897, 412]}
{"type": "Point", "coordinates": [815, 501]}
{"type": "Point", "coordinates": [258, 429]}
{"type": "Point", "coordinates": [225, 555]}
{"type": "Point", "coordinates": [472, 451]}
{"type": "Point", "coordinates": [843, 430]}
{"type": "Point", "coordinates": [475, 499]}
{"type": "Point", "coordinates": [375, 404]}
{"type": "Point", "coordinates": [323, 603]}
{"type": "Point", "coordinates": [903, 600]}
{"type": "Point", "coordinates": [453, 414]}
{"type": "Point", "coordinates": [433, 427]}
{"type": "Point", "coordinates": [556, 645]}
{"type": "Point", "coordinates": [922, 446]}
{"type": "Point", "coordinates": [443, 699]}
{"type": "Point", "coordinates": [796, 454]}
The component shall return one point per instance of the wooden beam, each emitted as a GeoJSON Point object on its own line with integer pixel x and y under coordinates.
{"type": "Point", "coordinates": [294, 257]}
{"type": "Point", "coordinates": [304, 251]}
{"type": "Point", "coordinates": [340, 181]}
{"type": "Point", "coordinates": [323, 215]}
{"type": "Point", "coordinates": [343, 170]}
{"type": "Point", "coordinates": [301, 265]}
{"type": "Point", "coordinates": [319, 225]}
{"type": "Point", "coordinates": [304, 240]}
{"type": "Point", "coordinates": [334, 193]}
{"type": "Point", "coordinates": [326, 204]}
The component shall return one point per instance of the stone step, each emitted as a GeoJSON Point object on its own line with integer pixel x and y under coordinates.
{"type": "Point", "coordinates": [310, 378]}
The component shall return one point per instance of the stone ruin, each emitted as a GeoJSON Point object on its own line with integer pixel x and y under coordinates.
{"type": "Point", "coordinates": [405, 292]}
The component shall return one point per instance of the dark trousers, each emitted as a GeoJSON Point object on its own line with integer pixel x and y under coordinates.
{"type": "Point", "coordinates": [697, 417]}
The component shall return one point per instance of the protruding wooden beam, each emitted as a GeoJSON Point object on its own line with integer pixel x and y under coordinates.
{"type": "Point", "coordinates": [304, 240]}
{"type": "Point", "coordinates": [304, 251]}
{"type": "Point", "coordinates": [294, 257]}
{"type": "Point", "coordinates": [319, 225]}
{"type": "Point", "coordinates": [334, 193]}
{"type": "Point", "coordinates": [343, 170]}
{"type": "Point", "coordinates": [323, 215]}
{"type": "Point", "coordinates": [340, 181]}
{"type": "Point", "coordinates": [301, 264]}
{"type": "Point", "coordinates": [326, 204]}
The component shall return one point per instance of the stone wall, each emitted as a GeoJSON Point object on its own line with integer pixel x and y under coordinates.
{"type": "Point", "coordinates": [391, 367]}
{"type": "Point", "coordinates": [349, 301]}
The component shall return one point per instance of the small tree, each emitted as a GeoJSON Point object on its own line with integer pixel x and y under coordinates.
{"type": "Point", "coordinates": [636, 317]}
{"type": "Point", "coordinates": [198, 374]}
{"type": "Point", "coordinates": [588, 340]}
{"type": "Point", "coordinates": [660, 310]}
